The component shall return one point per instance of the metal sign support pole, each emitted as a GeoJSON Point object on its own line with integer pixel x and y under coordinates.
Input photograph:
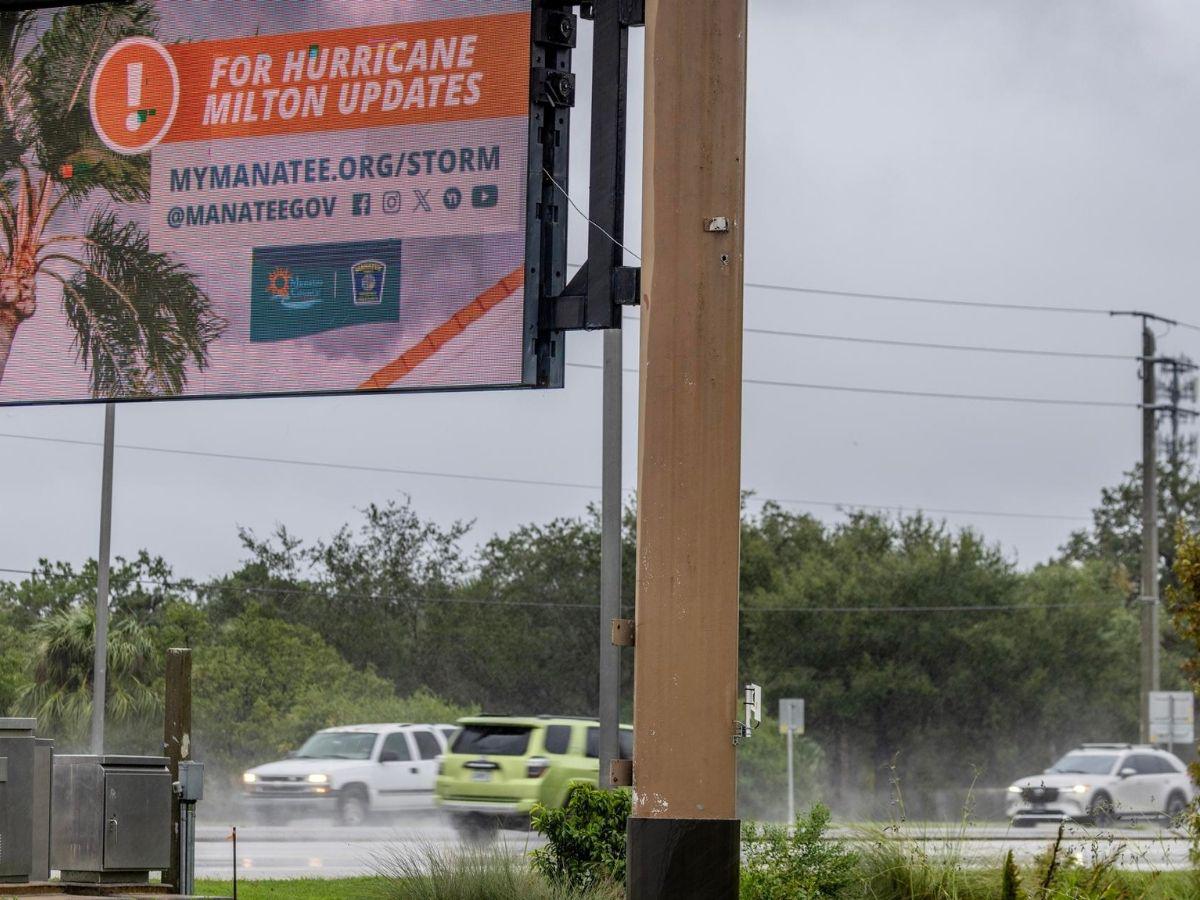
{"type": "Point", "coordinates": [1171, 723]}
{"type": "Point", "coordinates": [610, 557]}
{"type": "Point", "coordinates": [791, 752]}
{"type": "Point", "coordinates": [100, 665]}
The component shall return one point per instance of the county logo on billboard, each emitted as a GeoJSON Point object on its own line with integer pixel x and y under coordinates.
{"type": "Point", "coordinates": [302, 197]}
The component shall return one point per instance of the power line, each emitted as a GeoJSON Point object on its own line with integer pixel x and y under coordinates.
{"type": "Point", "coordinates": [316, 464]}
{"type": "Point", "coordinates": [929, 509]}
{"type": "Point", "coordinates": [898, 392]}
{"type": "Point", "coordinates": [497, 478]}
{"type": "Point", "coordinates": [540, 604]}
{"type": "Point", "coordinates": [928, 345]}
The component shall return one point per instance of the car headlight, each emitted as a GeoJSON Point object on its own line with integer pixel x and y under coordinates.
{"type": "Point", "coordinates": [318, 778]}
{"type": "Point", "coordinates": [249, 778]}
{"type": "Point", "coordinates": [1081, 788]}
{"type": "Point", "coordinates": [1013, 789]}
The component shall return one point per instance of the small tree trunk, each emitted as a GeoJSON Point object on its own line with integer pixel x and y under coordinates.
{"type": "Point", "coordinates": [8, 331]}
{"type": "Point", "coordinates": [18, 301]}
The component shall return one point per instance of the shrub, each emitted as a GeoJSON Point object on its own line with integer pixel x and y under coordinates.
{"type": "Point", "coordinates": [782, 864]}
{"type": "Point", "coordinates": [586, 838]}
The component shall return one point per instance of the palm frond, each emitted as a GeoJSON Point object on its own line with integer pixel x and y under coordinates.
{"type": "Point", "coordinates": [140, 317]}
{"type": "Point", "coordinates": [60, 68]}
{"type": "Point", "coordinates": [14, 108]}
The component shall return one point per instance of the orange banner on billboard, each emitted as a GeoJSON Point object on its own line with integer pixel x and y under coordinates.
{"type": "Point", "coordinates": [371, 77]}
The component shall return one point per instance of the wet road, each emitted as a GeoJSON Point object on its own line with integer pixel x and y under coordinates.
{"type": "Point", "coordinates": [320, 850]}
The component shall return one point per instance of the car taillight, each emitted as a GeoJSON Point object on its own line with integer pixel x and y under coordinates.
{"type": "Point", "coordinates": [536, 767]}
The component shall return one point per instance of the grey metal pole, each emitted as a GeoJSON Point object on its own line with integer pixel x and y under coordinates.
{"type": "Point", "coordinates": [100, 670]}
{"type": "Point", "coordinates": [1171, 723]}
{"type": "Point", "coordinates": [1149, 597]}
{"type": "Point", "coordinates": [791, 804]}
{"type": "Point", "coordinates": [610, 555]}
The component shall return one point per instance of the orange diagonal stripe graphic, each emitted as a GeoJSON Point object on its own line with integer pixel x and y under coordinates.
{"type": "Point", "coordinates": [446, 332]}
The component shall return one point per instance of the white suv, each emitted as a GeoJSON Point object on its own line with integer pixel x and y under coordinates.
{"type": "Point", "coordinates": [1101, 782]}
{"type": "Point", "coordinates": [351, 771]}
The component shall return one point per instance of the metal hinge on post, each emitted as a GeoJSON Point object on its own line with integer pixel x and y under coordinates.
{"type": "Point", "coordinates": [620, 773]}
{"type": "Point", "coordinates": [622, 632]}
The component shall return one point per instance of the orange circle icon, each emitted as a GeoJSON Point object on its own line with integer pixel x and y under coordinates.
{"type": "Point", "coordinates": [134, 95]}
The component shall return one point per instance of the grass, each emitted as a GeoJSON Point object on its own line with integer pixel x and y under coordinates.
{"type": "Point", "coordinates": [480, 873]}
{"type": "Point", "coordinates": [294, 888]}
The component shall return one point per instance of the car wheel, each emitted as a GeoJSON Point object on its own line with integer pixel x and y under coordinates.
{"type": "Point", "coordinates": [1101, 812]}
{"type": "Point", "coordinates": [476, 828]}
{"type": "Point", "coordinates": [353, 807]}
{"type": "Point", "coordinates": [1176, 807]}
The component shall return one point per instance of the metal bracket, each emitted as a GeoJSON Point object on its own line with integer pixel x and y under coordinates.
{"type": "Point", "coordinates": [593, 299]}
{"type": "Point", "coordinates": [555, 28]}
{"type": "Point", "coordinates": [620, 773]}
{"type": "Point", "coordinates": [631, 12]}
{"type": "Point", "coordinates": [622, 632]}
{"type": "Point", "coordinates": [553, 87]}
{"type": "Point", "coordinates": [752, 697]}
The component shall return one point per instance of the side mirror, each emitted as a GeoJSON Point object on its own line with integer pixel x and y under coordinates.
{"type": "Point", "coordinates": [389, 756]}
{"type": "Point", "coordinates": [1127, 771]}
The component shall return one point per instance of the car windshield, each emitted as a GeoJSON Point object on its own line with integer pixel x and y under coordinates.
{"type": "Point", "coordinates": [493, 740]}
{"type": "Point", "coordinates": [337, 745]}
{"type": "Point", "coordinates": [1085, 764]}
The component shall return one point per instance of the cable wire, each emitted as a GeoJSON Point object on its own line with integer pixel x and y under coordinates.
{"type": "Point", "coordinates": [539, 604]}
{"type": "Point", "coordinates": [898, 392]}
{"type": "Point", "coordinates": [520, 481]}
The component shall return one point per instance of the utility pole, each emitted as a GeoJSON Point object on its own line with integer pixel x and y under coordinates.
{"type": "Point", "coordinates": [684, 836]}
{"type": "Point", "coordinates": [1149, 594]}
{"type": "Point", "coordinates": [100, 663]}
{"type": "Point", "coordinates": [177, 741]}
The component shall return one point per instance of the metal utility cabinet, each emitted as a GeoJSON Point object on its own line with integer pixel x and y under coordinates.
{"type": "Point", "coordinates": [25, 763]}
{"type": "Point", "coordinates": [112, 817]}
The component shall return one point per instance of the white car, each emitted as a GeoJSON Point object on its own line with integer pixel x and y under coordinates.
{"type": "Point", "coordinates": [351, 771]}
{"type": "Point", "coordinates": [1102, 782]}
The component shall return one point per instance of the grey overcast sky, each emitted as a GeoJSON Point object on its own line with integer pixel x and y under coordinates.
{"type": "Point", "coordinates": [1023, 151]}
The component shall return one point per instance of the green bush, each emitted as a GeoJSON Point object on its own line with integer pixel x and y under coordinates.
{"type": "Point", "coordinates": [586, 838]}
{"type": "Point", "coordinates": [796, 864]}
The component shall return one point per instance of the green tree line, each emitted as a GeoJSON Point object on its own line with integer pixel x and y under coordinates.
{"type": "Point", "coordinates": [929, 660]}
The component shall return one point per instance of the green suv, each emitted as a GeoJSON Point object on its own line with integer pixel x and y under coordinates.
{"type": "Point", "coordinates": [498, 767]}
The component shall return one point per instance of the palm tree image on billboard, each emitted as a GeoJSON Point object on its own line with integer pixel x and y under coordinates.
{"type": "Point", "coordinates": [307, 197]}
{"type": "Point", "coordinates": [138, 317]}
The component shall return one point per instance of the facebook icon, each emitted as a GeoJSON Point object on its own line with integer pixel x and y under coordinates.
{"type": "Point", "coordinates": [360, 205]}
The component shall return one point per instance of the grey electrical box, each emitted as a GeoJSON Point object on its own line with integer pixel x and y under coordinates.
{"type": "Point", "coordinates": [25, 764]}
{"type": "Point", "coordinates": [112, 818]}
{"type": "Point", "coordinates": [191, 782]}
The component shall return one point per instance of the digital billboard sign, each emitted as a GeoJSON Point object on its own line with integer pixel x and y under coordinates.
{"type": "Point", "coordinates": [266, 197]}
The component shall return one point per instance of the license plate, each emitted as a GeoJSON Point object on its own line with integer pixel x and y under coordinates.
{"type": "Point", "coordinates": [481, 776]}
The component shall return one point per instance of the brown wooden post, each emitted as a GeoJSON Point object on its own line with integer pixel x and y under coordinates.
{"type": "Point", "coordinates": [177, 737]}
{"type": "Point", "coordinates": [684, 834]}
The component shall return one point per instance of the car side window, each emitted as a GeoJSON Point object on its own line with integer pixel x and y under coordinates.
{"type": "Point", "coordinates": [558, 739]}
{"type": "Point", "coordinates": [396, 743]}
{"type": "Point", "coordinates": [1143, 764]}
{"type": "Point", "coordinates": [593, 742]}
{"type": "Point", "coordinates": [427, 744]}
{"type": "Point", "coordinates": [1162, 765]}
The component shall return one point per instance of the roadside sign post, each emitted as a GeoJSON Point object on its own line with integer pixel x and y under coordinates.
{"type": "Point", "coordinates": [684, 834]}
{"type": "Point", "coordinates": [791, 722]}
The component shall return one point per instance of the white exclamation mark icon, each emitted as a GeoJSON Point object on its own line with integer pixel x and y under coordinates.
{"type": "Point", "coordinates": [134, 120]}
